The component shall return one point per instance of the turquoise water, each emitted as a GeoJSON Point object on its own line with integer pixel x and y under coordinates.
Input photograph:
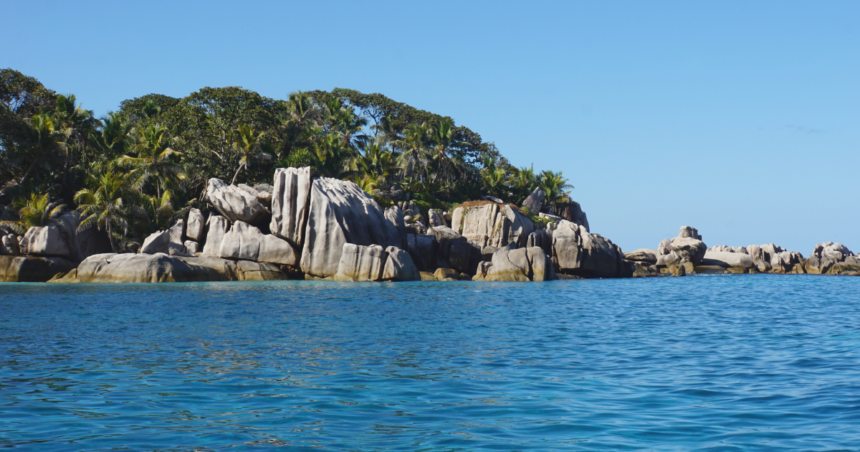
{"type": "Point", "coordinates": [721, 363]}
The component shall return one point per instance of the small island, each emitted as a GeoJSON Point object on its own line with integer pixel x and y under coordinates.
{"type": "Point", "coordinates": [337, 185]}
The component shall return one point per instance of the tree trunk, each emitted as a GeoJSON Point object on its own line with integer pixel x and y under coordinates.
{"type": "Point", "coordinates": [237, 174]}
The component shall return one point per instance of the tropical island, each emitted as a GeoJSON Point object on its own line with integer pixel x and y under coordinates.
{"type": "Point", "coordinates": [229, 185]}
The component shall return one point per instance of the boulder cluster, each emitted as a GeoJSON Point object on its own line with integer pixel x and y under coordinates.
{"type": "Point", "coordinates": [688, 254]}
{"type": "Point", "coordinates": [306, 227]}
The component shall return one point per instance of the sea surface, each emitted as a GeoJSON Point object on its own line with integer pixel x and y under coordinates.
{"type": "Point", "coordinates": [716, 363]}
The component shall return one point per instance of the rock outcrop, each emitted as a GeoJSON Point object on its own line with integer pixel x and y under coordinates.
{"type": "Point", "coordinates": [511, 264]}
{"type": "Point", "coordinates": [740, 261]}
{"type": "Point", "coordinates": [157, 242]}
{"type": "Point", "coordinates": [399, 266]}
{"type": "Point", "coordinates": [9, 245]}
{"type": "Point", "coordinates": [216, 227]}
{"type": "Point", "coordinates": [361, 263]}
{"type": "Point", "coordinates": [196, 225]}
{"type": "Point", "coordinates": [290, 204]}
{"type": "Point", "coordinates": [246, 242]}
{"type": "Point", "coordinates": [578, 252]}
{"type": "Point", "coordinates": [487, 223]}
{"type": "Point", "coordinates": [233, 202]}
{"type": "Point", "coordinates": [642, 255]}
{"type": "Point", "coordinates": [45, 241]}
{"type": "Point", "coordinates": [832, 258]}
{"type": "Point", "coordinates": [32, 269]}
{"type": "Point", "coordinates": [160, 267]}
{"type": "Point", "coordinates": [340, 212]}
{"type": "Point", "coordinates": [396, 226]}
{"type": "Point", "coordinates": [534, 201]}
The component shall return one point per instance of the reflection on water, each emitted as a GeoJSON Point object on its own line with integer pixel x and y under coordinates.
{"type": "Point", "coordinates": [723, 363]}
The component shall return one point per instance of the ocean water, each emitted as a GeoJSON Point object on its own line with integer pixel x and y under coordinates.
{"type": "Point", "coordinates": [718, 363]}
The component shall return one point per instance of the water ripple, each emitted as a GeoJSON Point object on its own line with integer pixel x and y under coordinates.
{"type": "Point", "coordinates": [750, 363]}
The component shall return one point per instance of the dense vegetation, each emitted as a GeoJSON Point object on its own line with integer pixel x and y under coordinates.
{"type": "Point", "coordinates": [131, 172]}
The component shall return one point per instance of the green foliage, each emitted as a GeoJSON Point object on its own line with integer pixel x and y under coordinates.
{"type": "Point", "coordinates": [35, 210]}
{"type": "Point", "coordinates": [138, 169]}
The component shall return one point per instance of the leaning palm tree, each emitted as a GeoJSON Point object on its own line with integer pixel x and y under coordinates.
{"type": "Point", "coordinates": [37, 210]}
{"type": "Point", "coordinates": [153, 160]}
{"type": "Point", "coordinates": [102, 205]}
{"type": "Point", "coordinates": [248, 147]}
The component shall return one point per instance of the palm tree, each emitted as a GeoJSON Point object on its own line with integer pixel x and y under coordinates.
{"type": "Point", "coordinates": [376, 162]}
{"type": "Point", "coordinates": [554, 184]}
{"type": "Point", "coordinates": [46, 142]}
{"type": "Point", "coordinates": [303, 114]}
{"type": "Point", "coordinates": [37, 210]}
{"type": "Point", "coordinates": [441, 139]}
{"type": "Point", "coordinates": [247, 145]}
{"type": "Point", "coordinates": [113, 138]}
{"type": "Point", "coordinates": [102, 206]}
{"type": "Point", "coordinates": [414, 149]}
{"type": "Point", "coordinates": [153, 160]}
{"type": "Point", "coordinates": [152, 213]}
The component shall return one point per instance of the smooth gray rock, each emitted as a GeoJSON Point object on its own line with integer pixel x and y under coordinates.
{"type": "Point", "coordinates": [232, 202]}
{"type": "Point", "coordinates": [177, 232]}
{"type": "Point", "coordinates": [826, 256]}
{"type": "Point", "coordinates": [689, 232]}
{"type": "Point", "coordinates": [246, 242]}
{"type": "Point", "coordinates": [399, 266]}
{"type": "Point", "coordinates": [216, 227]}
{"type": "Point", "coordinates": [579, 252]}
{"type": "Point", "coordinates": [457, 252]}
{"type": "Point", "coordinates": [191, 247]}
{"type": "Point", "coordinates": [492, 224]}
{"type": "Point", "coordinates": [361, 263]}
{"type": "Point", "coordinates": [340, 212]}
{"type": "Point", "coordinates": [541, 238]}
{"type": "Point", "coordinates": [642, 255]}
{"type": "Point", "coordinates": [84, 243]}
{"type": "Point", "coordinates": [665, 247]}
{"type": "Point", "coordinates": [396, 227]}
{"type": "Point", "coordinates": [160, 267]}
{"type": "Point", "coordinates": [551, 217]}
{"type": "Point", "coordinates": [691, 248]}
{"type": "Point", "coordinates": [45, 241]}
{"type": "Point", "coordinates": [9, 245]}
{"type": "Point", "coordinates": [523, 264]}
{"type": "Point", "coordinates": [423, 249]}
{"type": "Point", "coordinates": [157, 242]}
{"type": "Point", "coordinates": [32, 269]}
{"type": "Point", "coordinates": [728, 259]}
{"type": "Point", "coordinates": [534, 201]}
{"type": "Point", "coordinates": [290, 204]}
{"type": "Point", "coordinates": [435, 218]}
{"type": "Point", "coordinates": [196, 225]}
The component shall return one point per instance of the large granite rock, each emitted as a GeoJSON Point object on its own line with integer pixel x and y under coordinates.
{"type": "Point", "coordinates": [83, 243]}
{"type": "Point", "coordinates": [541, 238]}
{"type": "Point", "coordinates": [435, 218]}
{"type": "Point", "coordinates": [534, 201]}
{"type": "Point", "coordinates": [340, 212]}
{"type": "Point", "coordinates": [578, 252]}
{"type": "Point", "coordinates": [399, 266]}
{"type": "Point", "coordinates": [787, 262]}
{"type": "Point", "coordinates": [361, 263]}
{"type": "Point", "coordinates": [160, 267]}
{"type": "Point", "coordinates": [157, 242]}
{"type": "Point", "coordinates": [233, 202]}
{"type": "Point", "coordinates": [763, 254]}
{"type": "Point", "coordinates": [396, 227]}
{"type": "Point", "coordinates": [826, 256]}
{"type": "Point", "coordinates": [523, 264]}
{"type": "Point", "coordinates": [290, 201]}
{"type": "Point", "coordinates": [487, 223]}
{"type": "Point", "coordinates": [728, 249]}
{"type": "Point", "coordinates": [32, 269]}
{"type": "Point", "coordinates": [455, 250]}
{"type": "Point", "coordinates": [643, 255]}
{"type": "Point", "coordinates": [191, 247]}
{"type": "Point", "coordinates": [246, 242]}
{"type": "Point", "coordinates": [9, 245]}
{"type": "Point", "coordinates": [46, 241]}
{"type": "Point", "coordinates": [423, 249]}
{"type": "Point", "coordinates": [728, 259]}
{"type": "Point", "coordinates": [216, 227]}
{"type": "Point", "coordinates": [689, 232]}
{"type": "Point", "coordinates": [196, 225]}
{"type": "Point", "coordinates": [689, 247]}
{"type": "Point", "coordinates": [665, 247]}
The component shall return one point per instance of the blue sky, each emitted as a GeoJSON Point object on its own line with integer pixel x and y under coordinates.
{"type": "Point", "coordinates": [741, 118]}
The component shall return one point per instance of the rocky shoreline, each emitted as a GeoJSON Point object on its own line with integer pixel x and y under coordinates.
{"type": "Point", "coordinates": [303, 227]}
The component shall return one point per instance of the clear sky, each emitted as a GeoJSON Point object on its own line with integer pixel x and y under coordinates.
{"type": "Point", "coordinates": [741, 118]}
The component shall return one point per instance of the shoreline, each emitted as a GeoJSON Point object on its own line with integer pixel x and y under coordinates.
{"type": "Point", "coordinates": [317, 228]}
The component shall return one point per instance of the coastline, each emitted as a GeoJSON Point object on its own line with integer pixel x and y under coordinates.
{"type": "Point", "coordinates": [317, 228]}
